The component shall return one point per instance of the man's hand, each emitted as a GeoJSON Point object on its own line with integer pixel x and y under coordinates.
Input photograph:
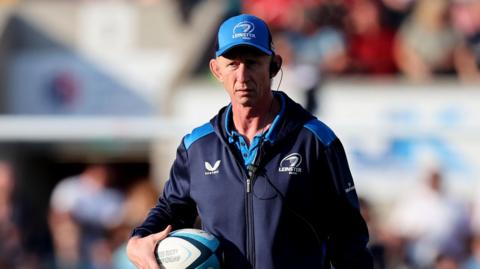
{"type": "Point", "coordinates": [140, 250]}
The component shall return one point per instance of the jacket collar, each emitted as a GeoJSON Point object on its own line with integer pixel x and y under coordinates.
{"type": "Point", "coordinates": [291, 117]}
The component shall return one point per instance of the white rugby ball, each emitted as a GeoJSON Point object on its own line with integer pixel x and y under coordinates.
{"type": "Point", "coordinates": [189, 249]}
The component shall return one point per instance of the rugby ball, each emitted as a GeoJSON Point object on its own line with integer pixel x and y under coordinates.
{"type": "Point", "coordinates": [189, 249]}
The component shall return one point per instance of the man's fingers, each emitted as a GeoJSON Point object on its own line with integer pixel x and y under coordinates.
{"type": "Point", "coordinates": [141, 250]}
{"type": "Point", "coordinates": [152, 264]}
{"type": "Point", "coordinates": [151, 261]}
{"type": "Point", "coordinates": [161, 235]}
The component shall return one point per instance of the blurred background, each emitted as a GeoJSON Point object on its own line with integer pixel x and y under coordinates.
{"type": "Point", "coordinates": [96, 95]}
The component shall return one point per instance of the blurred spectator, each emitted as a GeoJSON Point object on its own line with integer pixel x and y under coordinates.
{"type": "Point", "coordinates": [466, 20]}
{"type": "Point", "coordinates": [475, 221]}
{"type": "Point", "coordinates": [400, 5]}
{"type": "Point", "coordinates": [396, 11]}
{"type": "Point", "coordinates": [279, 14]}
{"type": "Point", "coordinates": [445, 262]}
{"type": "Point", "coordinates": [370, 40]}
{"type": "Point", "coordinates": [320, 42]}
{"type": "Point", "coordinates": [426, 42]}
{"type": "Point", "coordinates": [388, 251]}
{"type": "Point", "coordinates": [375, 245]}
{"type": "Point", "coordinates": [473, 259]}
{"type": "Point", "coordinates": [85, 208]}
{"type": "Point", "coordinates": [66, 240]}
{"type": "Point", "coordinates": [186, 7]}
{"type": "Point", "coordinates": [139, 199]}
{"type": "Point", "coordinates": [12, 253]}
{"type": "Point", "coordinates": [432, 222]}
{"type": "Point", "coordinates": [314, 47]}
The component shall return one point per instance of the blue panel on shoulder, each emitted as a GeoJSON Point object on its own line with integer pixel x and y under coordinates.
{"type": "Point", "coordinates": [321, 131]}
{"type": "Point", "coordinates": [197, 133]}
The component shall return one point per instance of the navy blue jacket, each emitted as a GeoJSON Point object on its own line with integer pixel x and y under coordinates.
{"type": "Point", "coordinates": [297, 208]}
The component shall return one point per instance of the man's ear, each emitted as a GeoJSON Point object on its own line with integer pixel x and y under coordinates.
{"type": "Point", "coordinates": [275, 65]}
{"type": "Point", "coordinates": [214, 68]}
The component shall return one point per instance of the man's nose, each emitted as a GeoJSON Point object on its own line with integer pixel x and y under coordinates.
{"type": "Point", "coordinates": [242, 72]}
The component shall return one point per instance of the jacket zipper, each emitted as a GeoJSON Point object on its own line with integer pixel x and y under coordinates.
{"type": "Point", "coordinates": [249, 222]}
{"type": "Point", "coordinates": [249, 219]}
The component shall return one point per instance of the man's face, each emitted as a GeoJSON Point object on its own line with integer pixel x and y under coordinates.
{"type": "Point", "coordinates": [245, 75]}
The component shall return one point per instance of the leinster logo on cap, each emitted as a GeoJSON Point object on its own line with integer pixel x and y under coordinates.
{"type": "Point", "coordinates": [244, 30]}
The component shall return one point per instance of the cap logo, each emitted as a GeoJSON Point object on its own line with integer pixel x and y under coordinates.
{"type": "Point", "coordinates": [244, 30]}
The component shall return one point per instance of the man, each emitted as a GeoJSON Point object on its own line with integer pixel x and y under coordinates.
{"type": "Point", "coordinates": [74, 208]}
{"type": "Point", "coordinates": [266, 177]}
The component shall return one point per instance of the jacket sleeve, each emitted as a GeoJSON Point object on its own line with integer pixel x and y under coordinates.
{"type": "Point", "coordinates": [175, 206]}
{"type": "Point", "coordinates": [348, 233]}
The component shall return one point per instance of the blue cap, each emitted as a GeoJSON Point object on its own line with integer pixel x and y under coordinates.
{"type": "Point", "coordinates": [244, 30]}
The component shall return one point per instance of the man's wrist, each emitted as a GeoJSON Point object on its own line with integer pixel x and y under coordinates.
{"type": "Point", "coordinates": [140, 232]}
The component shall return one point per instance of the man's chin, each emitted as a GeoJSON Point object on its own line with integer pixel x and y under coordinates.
{"type": "Point", "coordinates": [246, 103]}
{"type": "Point", "coordinates": [245, 99]}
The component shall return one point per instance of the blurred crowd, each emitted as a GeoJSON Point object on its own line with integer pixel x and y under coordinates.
{"type": "Point", "coordinates": [425, 227]}
{"type": "Point", "coordinates": [90, 218]}
{"type": "Point", "coordinates": [417, 39]}
{"type": "Point", "coordinates": [89, 221]}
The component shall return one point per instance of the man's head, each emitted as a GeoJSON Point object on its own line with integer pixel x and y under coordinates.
{"type": "Point", "coordinates": [245, 61]}
{"type": "Point", "coordinates": [244, 30]}
{"type": "Point", "coordinates": [247, 30]}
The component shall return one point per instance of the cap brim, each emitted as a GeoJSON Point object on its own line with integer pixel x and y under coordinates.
{"type": "Point", "coordinates": [223, 50]}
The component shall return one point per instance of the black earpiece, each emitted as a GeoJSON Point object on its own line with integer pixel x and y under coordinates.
{"type": "Point", "coordinates": [275, 65]}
